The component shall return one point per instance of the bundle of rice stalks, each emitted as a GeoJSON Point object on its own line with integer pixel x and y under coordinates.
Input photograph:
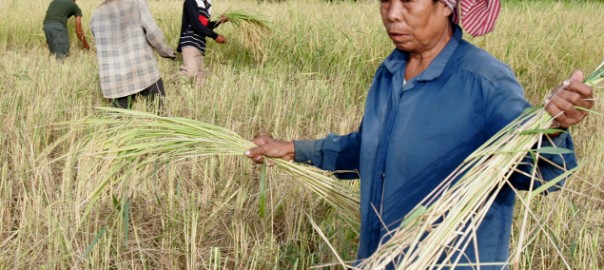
{"type": "Point", "coordinates": [242, 18]}
{"type": "Point", "coordinates": [132, 140]}
{"type": "Point", "coordinates": [252, 29]}
{"type": "Point", "coordinates": [445, 221]}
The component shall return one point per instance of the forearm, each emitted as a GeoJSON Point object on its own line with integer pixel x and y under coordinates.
{"type": "Point", "coordinates": [80, 32]}
{"type": "Point", "coordinates": [78, 28]}
{"type": "Point", "coordinates": [82, 38]}
{"type": "Point", "coordinates": [153, 33]}
{"type": "Point", "coordinates": [214, 24]}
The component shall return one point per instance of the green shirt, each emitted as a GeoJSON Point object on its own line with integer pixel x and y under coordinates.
{"type": "Point", "coordinates": [61, 10]}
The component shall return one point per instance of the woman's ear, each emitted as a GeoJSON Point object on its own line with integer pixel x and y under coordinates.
{"type": "Point", "coordinates": [447, 11]}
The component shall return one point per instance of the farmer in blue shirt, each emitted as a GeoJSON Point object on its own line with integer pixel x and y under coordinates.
{"type": "Point", "coordinates": [433, 101]}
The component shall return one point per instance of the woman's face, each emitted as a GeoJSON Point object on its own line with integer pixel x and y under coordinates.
{"type": "Point", "coordinates": [415, 26]}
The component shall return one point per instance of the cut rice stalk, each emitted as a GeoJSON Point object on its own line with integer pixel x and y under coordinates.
{"type": "Point", "coordinates": [132, 140]}
{"type": "Point", "coordinates": [252, 29]}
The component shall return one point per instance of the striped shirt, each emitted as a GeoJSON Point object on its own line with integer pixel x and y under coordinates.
{"type": "Point", "coordinates": [196, 24]}
{"type": "Point", "coordinates": [125, 35]}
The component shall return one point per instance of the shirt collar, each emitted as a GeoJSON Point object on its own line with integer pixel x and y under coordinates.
{"type": "Point", "coordinates": [397, 60]}
{"type": "Point", "coordinates": [203, 3]}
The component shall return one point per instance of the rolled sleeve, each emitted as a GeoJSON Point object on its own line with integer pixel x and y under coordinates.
{"type": "Point", "coordinates": [337, 153]}
{"type": "Point", "coordinates": [305, 151]}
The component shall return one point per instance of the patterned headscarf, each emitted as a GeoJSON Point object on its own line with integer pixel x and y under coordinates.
{"type": "Point", "coordinates": [477, 16]}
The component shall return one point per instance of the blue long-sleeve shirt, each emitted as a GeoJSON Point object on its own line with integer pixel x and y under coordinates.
{"type": "Point", "coordinates": [413, 136]}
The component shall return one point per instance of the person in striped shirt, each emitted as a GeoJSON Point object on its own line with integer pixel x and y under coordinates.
{"type": "Point", "coordinates": [196, 26]}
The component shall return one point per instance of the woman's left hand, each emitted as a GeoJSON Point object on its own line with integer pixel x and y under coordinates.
{"type": "Point", "coordinates": [223, 19]}
{"type": "Point", "coordinates": [563, 102]}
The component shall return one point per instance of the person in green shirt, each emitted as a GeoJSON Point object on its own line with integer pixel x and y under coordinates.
{"type": "Point", "coordinates": [55, 26]}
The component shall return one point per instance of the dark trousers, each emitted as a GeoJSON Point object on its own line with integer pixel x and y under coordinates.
{"type": "Point", "coordinates": [57, 39]}
{"type": "Point", "coordinates": [156, 89]}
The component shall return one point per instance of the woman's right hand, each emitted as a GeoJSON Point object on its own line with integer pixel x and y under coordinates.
{"type": "Point", "coordinates": [269, 147]}
{"type": "Point", "coordinates": [223, 19]}
{"type": "Point", "coordinates": [570, 103]}
{"type": "Point", "coordinates": [220, 39]}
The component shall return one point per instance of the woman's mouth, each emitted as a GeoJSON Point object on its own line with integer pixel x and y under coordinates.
{"type": "Point", "coordinates": [396, 36]}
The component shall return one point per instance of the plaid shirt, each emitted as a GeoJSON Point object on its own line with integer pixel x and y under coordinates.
{"type": "Point", "coordinates": [125, 35]}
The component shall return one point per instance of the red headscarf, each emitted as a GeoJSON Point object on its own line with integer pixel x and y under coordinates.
{"type": "Point", "coordinates": [477, 16]}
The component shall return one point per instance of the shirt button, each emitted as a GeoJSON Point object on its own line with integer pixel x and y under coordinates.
{"type": "Point", "coordinates": [309, 161]}
{"type": "Point", "coordinates": [383, 175]}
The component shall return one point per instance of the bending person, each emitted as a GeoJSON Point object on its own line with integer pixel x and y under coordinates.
{"type": "Point", "coordinates": [55, 27]}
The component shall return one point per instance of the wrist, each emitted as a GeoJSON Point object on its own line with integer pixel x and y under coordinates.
{"type": "Point", "coordinates": [290, 150]}
{"type": "Point", "coordinates": [556, 125]}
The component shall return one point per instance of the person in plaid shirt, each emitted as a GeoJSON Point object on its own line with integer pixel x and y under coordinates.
{"type": "Point", "coordinates": [126, 36]}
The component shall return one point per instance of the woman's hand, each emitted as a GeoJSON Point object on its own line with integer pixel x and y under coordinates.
{"type": "Point", "coordinates": [220, 39]}
{"type": "Point", "coordinates": [223, 19]}
{"type": "Point", "coordinates": [269, 147]}
{"type": "Point", "coordinates": [563, 102]}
